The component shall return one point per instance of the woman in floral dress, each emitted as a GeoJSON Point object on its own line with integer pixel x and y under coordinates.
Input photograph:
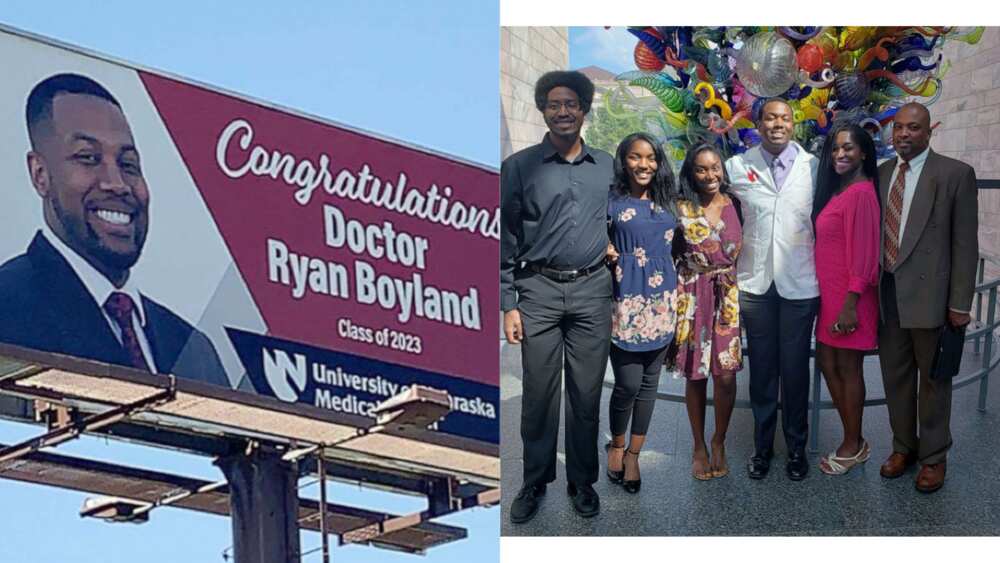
{"type": "Point", "coordinates": [641, 221]}
{"type": "Point", "coordinates": [708, 311]}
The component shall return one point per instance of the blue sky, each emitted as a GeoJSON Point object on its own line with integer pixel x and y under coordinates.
{"type": "Point", "coordinates": [610, 49]}
{"type": "Point", "coordinates": [421, 71]}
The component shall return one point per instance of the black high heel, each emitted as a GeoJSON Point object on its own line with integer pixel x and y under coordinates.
{"type": "Point", "coordinates": [631, 486]}
{"type": "Point", "coordinates": [615, 476]}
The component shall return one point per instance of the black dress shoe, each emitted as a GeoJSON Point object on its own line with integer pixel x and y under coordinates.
{"type": "Point", "coordinates": [585, 499]}
{"type": "Point", "coordinates": [797, 466]}
{"type": "Point", "coordinates": [759, 465]}
{"type": "Point", "coordinates": [525, 504]}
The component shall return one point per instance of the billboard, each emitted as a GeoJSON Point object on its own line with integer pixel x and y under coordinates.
{"type": "Point", "coordinates": [167, 226]}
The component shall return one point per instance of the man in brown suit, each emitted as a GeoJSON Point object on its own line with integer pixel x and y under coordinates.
{"type": "Point", "coordinates": [929, 255]}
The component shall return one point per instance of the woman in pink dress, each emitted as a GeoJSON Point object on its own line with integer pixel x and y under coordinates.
{"type": "Point", "coordinates": [846, 218]}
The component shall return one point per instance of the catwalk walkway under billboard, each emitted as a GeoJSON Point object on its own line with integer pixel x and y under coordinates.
{"type": "Point", "coordinates": [672, 503]}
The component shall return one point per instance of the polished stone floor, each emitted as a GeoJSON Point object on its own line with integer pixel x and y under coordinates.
{"type": "Point", "coordinates": [672, 503]}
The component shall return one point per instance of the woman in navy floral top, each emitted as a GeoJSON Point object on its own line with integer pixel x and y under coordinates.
{"type": "Point", "coordinates": [641, 219]}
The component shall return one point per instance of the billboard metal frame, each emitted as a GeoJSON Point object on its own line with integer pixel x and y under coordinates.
{"type": "Point", "coordinates": [161, 489]}
{"type": "Point", "coordinates": [36, 365]}
{"type": "Point", "coordinates": [445, 493]}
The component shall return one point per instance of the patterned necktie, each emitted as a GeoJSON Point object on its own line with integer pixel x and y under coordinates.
{"type": "Point", "coordinates": [893, 216]}
{"type": "Point", "coordinates": [119, 307]}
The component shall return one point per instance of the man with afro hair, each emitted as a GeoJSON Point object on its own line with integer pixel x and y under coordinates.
{"type": "Point", "coordinates": [556, 291]}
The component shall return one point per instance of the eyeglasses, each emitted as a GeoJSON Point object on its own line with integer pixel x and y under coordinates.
{"type": "Point", "coordinates": [570, 105]}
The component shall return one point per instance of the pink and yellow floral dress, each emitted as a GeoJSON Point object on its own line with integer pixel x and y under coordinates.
{"type": "Point", "coordinates": [708, 303]}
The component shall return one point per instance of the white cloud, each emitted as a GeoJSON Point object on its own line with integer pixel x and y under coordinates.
{"type": "Point", "coordinates": [607, 48]}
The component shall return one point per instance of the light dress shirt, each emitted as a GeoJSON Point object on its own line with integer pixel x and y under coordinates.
{"type": "Point", "coordinates": [780, 164]}
{"type": "Point", "coordinates": [909, 186]}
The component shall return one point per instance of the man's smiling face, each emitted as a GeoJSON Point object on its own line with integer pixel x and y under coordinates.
{"type": "Point", "coordinates": [87, 170]}
{"type": "Point", "coordinates": [563, 113]}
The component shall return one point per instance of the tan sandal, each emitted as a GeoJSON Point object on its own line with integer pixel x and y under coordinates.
{"type": "Point", "coordinates": [703, 476]}
{"type": "Point", "coordinates": [720, 472]}
{"type": "Point", "coordinates": [833, 465]}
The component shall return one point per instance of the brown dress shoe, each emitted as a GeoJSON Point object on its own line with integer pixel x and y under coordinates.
{"type": "Point", "coordinates": [931, 477]}
{"type": "Point", "coordinates": [896, 465]}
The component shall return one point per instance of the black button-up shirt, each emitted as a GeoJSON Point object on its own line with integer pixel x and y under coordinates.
{"type": "Point", "coordinates": [553, 212]}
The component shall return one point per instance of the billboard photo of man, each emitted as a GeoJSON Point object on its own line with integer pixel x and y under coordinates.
{"type": "Point", "coordinates": [71, 291]}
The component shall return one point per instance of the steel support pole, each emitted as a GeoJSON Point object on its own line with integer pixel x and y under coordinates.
{"type": "Point", "coordinates": [991, 315]}
{"type": "Point", "coordinates": [321, 468]}
{"type": "Point", "coordinates": [264, 503]}
{"type": "Point", "coordinates": [814, 423]}
{"type": "Point", "coordinates": [980, 273]}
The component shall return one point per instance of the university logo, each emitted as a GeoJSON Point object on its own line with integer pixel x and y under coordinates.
{"type": "Point", "coordinates": [286, 376]}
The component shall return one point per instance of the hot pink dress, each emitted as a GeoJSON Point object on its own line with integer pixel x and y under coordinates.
{"type": "Point", "coordinates": [847, 245]}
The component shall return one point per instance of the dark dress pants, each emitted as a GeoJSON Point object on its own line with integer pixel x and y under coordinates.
{"type": "Point", "coordinates": [779, 335]}
{"type": "Point", "coordinates": [567, 332]}
{"type": "Point", "coordinates": [906, 356]}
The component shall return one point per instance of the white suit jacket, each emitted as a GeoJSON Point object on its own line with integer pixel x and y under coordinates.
{"type": "Point", "coordinates": [778, 237]}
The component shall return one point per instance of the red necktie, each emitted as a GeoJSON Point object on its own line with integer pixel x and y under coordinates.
{"type": "Point", "coordinates": [119, 307]}
{"type": "Point", "coordinates": [893, 216]}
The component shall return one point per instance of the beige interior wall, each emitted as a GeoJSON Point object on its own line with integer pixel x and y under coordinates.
{"type": "Point", "coordinates": [525, 54]}
{"type": "Point", "coordinates": [969, 112]}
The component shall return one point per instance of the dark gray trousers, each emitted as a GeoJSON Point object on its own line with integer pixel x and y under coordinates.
{"type": "Point", "coordinates": [567, 332]}
{"type": "Point", "coordinates": [914, 400]}
{"type": "Point", "coordinates": [779, 334]}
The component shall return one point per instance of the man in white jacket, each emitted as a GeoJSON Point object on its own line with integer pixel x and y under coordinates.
{"type": "Point", "coordinates": [776, 273]}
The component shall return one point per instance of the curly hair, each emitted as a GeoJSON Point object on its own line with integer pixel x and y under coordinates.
{"type": "Point", "coordinates": [574, 80]}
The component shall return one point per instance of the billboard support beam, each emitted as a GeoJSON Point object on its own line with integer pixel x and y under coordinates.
{"type": "Point", "coordinates": [264, 504]}
{"type": "Point", "coordinates": [490, 497]}
{"type": "Point", "coordinates": [370, 533]}
{"type": "Point", "coordinates": [88, 424]}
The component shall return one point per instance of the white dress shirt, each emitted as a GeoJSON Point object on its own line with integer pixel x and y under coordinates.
{"type": "Point", "coordinates": [909, 186]}
{"type": "Point", "coordinates": [100, 289]}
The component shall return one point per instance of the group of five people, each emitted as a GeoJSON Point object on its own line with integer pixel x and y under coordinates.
{"type": "Point", "coordinates": [616, 256]}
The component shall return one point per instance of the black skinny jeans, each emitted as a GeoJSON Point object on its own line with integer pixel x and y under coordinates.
{"type": "Point", "coordinates": [637, 375]}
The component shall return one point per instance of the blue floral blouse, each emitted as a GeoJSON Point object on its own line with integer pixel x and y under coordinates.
{"type": "Point", "coordinates": [645, 281]}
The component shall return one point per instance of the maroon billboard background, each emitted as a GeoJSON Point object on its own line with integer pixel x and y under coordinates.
{"type": "Point", "coordinates": [289, 195]}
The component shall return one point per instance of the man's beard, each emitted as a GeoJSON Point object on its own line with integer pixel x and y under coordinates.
{"type": "Point", "coordinates": [88, 243]}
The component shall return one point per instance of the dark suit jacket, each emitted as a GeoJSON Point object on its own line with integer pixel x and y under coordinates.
{"type": "Point", "coordinates": [936, 266]}
{"type": "Point", "coordinates": [45, 306]}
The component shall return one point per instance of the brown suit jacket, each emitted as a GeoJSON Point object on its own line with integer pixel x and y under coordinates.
{"type": "Point", "coordinates": [936, 266]}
